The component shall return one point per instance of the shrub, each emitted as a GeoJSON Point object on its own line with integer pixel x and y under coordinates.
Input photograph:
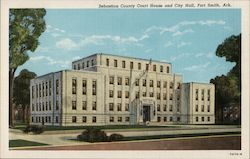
{"type": "Point", "coordinates": [92, 135]}
{"type": "Point", "coordinates": [115, 137]}
{"type": "Point", "coordinates": [36, 129]}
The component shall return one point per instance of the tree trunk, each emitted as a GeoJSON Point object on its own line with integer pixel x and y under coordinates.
{"type": "Point", "coordinates": [11, 84]}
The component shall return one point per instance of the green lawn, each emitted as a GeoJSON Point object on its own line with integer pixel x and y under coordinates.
{"type": "Point", "coordinates": [23, 143]}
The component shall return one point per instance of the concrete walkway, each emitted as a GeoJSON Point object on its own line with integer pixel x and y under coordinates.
{"type": "Point", "coordinates": [58, 138]}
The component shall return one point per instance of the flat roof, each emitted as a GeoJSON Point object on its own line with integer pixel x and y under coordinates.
{"type": "Point", "coordinates": [129, 57]}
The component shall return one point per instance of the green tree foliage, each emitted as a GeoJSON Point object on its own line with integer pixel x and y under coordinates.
{"type": "Point", "coordinates": [25, 28]}
{"type": "Point", "coordinates": [228, 88]}
{"type": "Point", "coordinates": [21, 93]}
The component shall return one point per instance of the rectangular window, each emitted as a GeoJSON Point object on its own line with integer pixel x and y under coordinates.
{"type": "Point", "coordinates": [144, 83]}
{"type": "Point", "coordinates": [84, 105]}
{"type": "Point", "coordinates": [161, 68]}
{"type": "Point", "coordinates": [50, 89]}
{"type": "Point", "coordinates": [139, 66]}
{"type": "Point", "coordinates": [74, 67]}
{"type": "Point", "coordinates": [94, 87]}
{"type": "Point", "coordinates": [202, 108]}
{"type": "Point", "coordinates": [167, 69]}
{"type": "Point", "coordinates": [131, 65]}
{"type": "Point", "coordinates": [115, 63]}
{"type": "Point", "coordinates": [151, 83]}
{"type": "Point", "coordinates": [49, 105]}
{"type": "Point", "coordinates": [165, 119]}
{"type": "Point", "coordinates": [46, 106]}
{"type": "Point", "coordinates": [208, 118]}
{"type": "Point", "coordinates": [57, 105]}
{"type": "Point", "coordinates": [196, 108]}
{"type": "Point", "coordinates": [93, 105]}
{"type": "Point", "coordinates": [202, 94]}
{"type": "Point", "coordinates": [126, 81]}
{"type": "Point", "coordinates": [42, 106]}
{"type": "Point", "coordinates": [158, 96]}
{"type": "Point", "coordinates": [137, 82]}
{"type": "Point", "coordinates": [197, 119]}
{"type": "Point", "coordinates": [119, 106]}
{"type": "Point", "coordinates": [119, 80]}
{"type": "Point", "coordinates": [202, 118]}
{"type": "Point", "coordinates": [83, 65]}
{"type": "Point", "coordinates": [126, 94]}
{"type": "Point", "coordinates": [32, 92]}
{"type": "Point", "coordinates": [107, 62]}
{"type": "Point", "coordinates": [73, 119]}
{"type": "Point", "coordinates": [111, 119]}
{"type": "Point", "coordinates": [74, 86]}
{"type": "Point", "coordinates": [111, 80]}
{"type": "Point", "coordinates": [84, 119]}
{"type": "Point", "coordinates": [165, 84]}
{"type": "Point", "coordinates": [92, 62]}
{"type": "Point", "coordinates": [87, 64]}
{"type": "Point", "coordinates": [57, 119]}
{"type": "Point", "coordinates": [178, 85]}
{"type": "Point", "coordinates": [208, 108]}
{"type": "Point", "coordinates": [137, 95]}
{"type": "Point", "coordinates": [208, 95]}
{"type": "Point", "coordinates": [158, 84]}
{"type": "Point", "coordinates": [196, 94]}
{"type": "Point", "coordinates": [170, 108]}
{"type": "Point", "coordinates": [111, 93]}
{"type": "Point", "coordinates": [154, 67]}
{"type": "Point", "coordinates": [127, 119]}
{"type": "Point", "coordinates": [158, 107]}
{"type": "Point", "coordinates": [119, 119]}
{"type": "Point", "coordinates": [94, 119]}
{"type": "Point", "coordinates": [171, 96]}
{"type": "Point", "coordinates": [111, 106]}
{"type": "Point", "coordinates": [46, 90]}
{"type": "Point", "coordinates": [40, 90]}
{"type": "Point", "coordinates": [158, 119]}
{"type": "Point", "coordinates": [78, 66]}
{"type": "Point", "coordinates": [147, 67]}
{"type": "Point", "coordinates": [33, 107]}
{"type": "Point", "coordinates": [84, 87]}
{"type": "Point", "coordinates": [165, 108]}
{"type": "Point", "coordinates": [123, 64]}
{"type": "Point", "coordinates": [178, 119]}
{"type": "Point", "coordinates": [126, 107]}
{"type": "Point", "coordinates": [164, 96]}
{"type": "Point", "coordinates": [37, 91]}
{"type": "Point", "coordinates": [57, 86]}
{"type": "Point", "coordinates": [171, 85]}
{"type": "Point", "coordinates": [144, 94]}
{"type": "Point", "coordinates": [43, 89]}
{"type": "Point", "coordinates": [119, 94]}
{"type": "Point", "coordinates": [151, 94]}
{"type": "Point", "coordinates": [178, 107]}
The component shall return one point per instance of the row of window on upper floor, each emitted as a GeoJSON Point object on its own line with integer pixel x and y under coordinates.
{"type": "Point", "coordinates": [202, 94]}
{"type": "Point", "coordinates": [44, 89]}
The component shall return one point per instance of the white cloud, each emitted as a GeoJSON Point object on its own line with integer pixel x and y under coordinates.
{"type": "Point", "coordinates": [200, 67]}
{"type": "Point", "coordinates": [67, 44]}
{"type": "Point", "coordinates": [168, 44]}
{"type": "Point", "coordinates": [179, 33]}
{"type": "Point", "coordinates": [179, 56]}
{"type": "Point", "coordinates": [182, 44]}
{"type": "Point", "coordinates": [207, 55]}
{"type": "Point", "coordinates": [51, 61]}
{"type": "Point", "coordinates": [76, 58]}
{"type": "Point", "coordinates": [54, 31]}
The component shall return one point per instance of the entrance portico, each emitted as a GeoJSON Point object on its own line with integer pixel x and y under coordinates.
{"type": "Point", "coordinates": [146, 111]}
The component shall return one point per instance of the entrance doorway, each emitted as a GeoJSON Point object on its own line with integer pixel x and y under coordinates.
{"type": "Point", "coordinates": [146, 113]}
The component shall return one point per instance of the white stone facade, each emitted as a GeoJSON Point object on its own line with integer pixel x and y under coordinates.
{"type": "Point", "coordinates": [105, 89]}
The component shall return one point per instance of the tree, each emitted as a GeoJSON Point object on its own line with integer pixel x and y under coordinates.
{"type": "Point", "coordinates": [21, 94]}
{"type": "Point", "coordinates": [25, 27]}
{"type": "Point", "coordinates": [228, 88]}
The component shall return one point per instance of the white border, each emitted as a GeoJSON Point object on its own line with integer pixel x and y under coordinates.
{"type": "Point", "coordinates": [4, 149]}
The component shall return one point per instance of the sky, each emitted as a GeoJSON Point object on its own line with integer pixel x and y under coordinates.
{"type": "Point", "coordinates": [186, 38]}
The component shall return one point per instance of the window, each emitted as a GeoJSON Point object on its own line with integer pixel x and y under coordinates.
{"type": "Point", "coordinates": [127, 119]}
{"type": "Point", "coordinates": [87, 64]}
{"type": "Point", "coordinates": [94, 119]}
{"type": "Point", "coordinates": [178, 85]}
{"type": "Point", "coordinates": [74, 67]}
{"type": "Point", "coordinates": [147, 67]}
{"type": "Point", "coordinates": [111, 106]}
{"type": "Point", "coordinates": [119, 106]}
{"type": "Point", "coordinates": [40, 93]}
{"type": "Point", "coordinates": [74, 85]}
{"type": "Point", "coordinates": [144, 94]}
{"type": "Point", "coordinates": [49, 105]}
{"type": "Point", "coordinates": [119, 119]}
{"type": "Point", "coordinates": [123, 64]}
{"type": "Point", "coordinates": [171, 85]}
{"type": "Point", "coordinates": [33, 92]}
{"type": "Point", "coordinates": [171, 96]}
{"type": "Point", "coordinates": [208, 118]}
{"type": "Point", "coordinates": [33, 107]}
{"type": "Point", "coordinates": [84, 119]}
{"type": "Point", "coordinates": [164, 96]}
{"type": "Point", "coordinates": [93, 105]}
{"type": "Point", "coordinates": [126, 81]}
{"type": "Point", "coordinates": [208, 95]}
{"type": "Point", "coordinates": [126, 107]}
{"type": "Point", "coordinates": [208, 108]}
{"type": "Point", "coordinates": [84, 87]}
{"type": "Point", "coordinates": [144, 83]}
{"type": "Point", "coordinates": [119, 94]}
{"type": "Point", "coordinates": [197, 119]}
{"type": "Point", "coordinates": [83, 65]}
{"type": "Point", "coordinates": [196, 94]}
{"type": "Point", "coordinates": [202, 118]}
{"type": "Point", "coordinates": [165, 108]}
{"type": "Point", "coordinates": [165, 119]}
{"type": "Point", "coordinates": [111, 80]}
{"type": "Point", "coordinates": [111, 119]}
{"type": "Point", "coordinates": [165, 84]}
{"type": "Point", "coordinates": [107, 62]}
{"type": "Point", "coordinates": [84, 105]}
{"type": "Point", "coordinates": [161, 68]}
{"type": "Point", "coordinates": [57, 119]}
{"type": "Point", "coordinates": [151, 83]}
{"type": "Point", "coordinates": [137, 95]}
{"type": "Point", "coordinates": [43, 89]}
{"type": "Point", "coordinates": [46, 90]}
{"type": "Point", "coordinates": [57, 86]}
{"type": "Point", "coordinates": [115, 63]}
{"type": "Point", "coordinates": [171, 119]}
{"type": "Point", "coordinates": [94, 87]}
{"type": "Point", "coordinates": [36, 91]}
{"type": "Point", "coordinates": [57, 105]}
{"type": "Point", "coordinates": [196, 108]}
{"type": "Point", "coordinates": [78, 66]}
{"type": "Point", "coordinates": [202, 108]}
{"type": "Point", "coordinates": [119, 81]}
{"type": "Point", "coordinates": [154, 67]}
{"type": "Point", "coordinates": [42, 106]}
{"type": "Point", "coordinates": [158, 107]}
{"type": "Point", "coordinates": [50, 88]}
{"type": "Point", "coordinates": [202, 94]}
{"type": "Point", "coordinates": [158, 96]}
{"type": "Point", "coordinates": [151, 94]}
{"type": "Point", "coordinates": [158, 84]}
{"type": "Point", "coordinates": [137, 82]}
{"type": "Point", "coordinates": [178, 119]}
{"type": "Point", "coordinates": [178, 107]}
{"type": "Point", "coordinates": [73, 119]}
{"type": "Point", "coordinates": [126, 94]}
{"type": "Point", "coordinates": [139, 66]}
{"type": "Point", "coordinates": [92, 62]}
{"type": "Point", "coordinates": [46, 106]}
{"type": "Point", "coordinates": [167, 69]}
{"type": "Point", "coordinates": [131, 65]}
{"type": "Point", "coordinates": [178, 96]}
{"type": "Point", "coordinates": [170, 108]}
{"type": "Point", "coordinates": [158, 119]}
{"type": "Point", "coordinates": [111, 93]}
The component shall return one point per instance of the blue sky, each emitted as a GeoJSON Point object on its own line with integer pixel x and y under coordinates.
{"type": "Point", "coordinates": [187, 38]}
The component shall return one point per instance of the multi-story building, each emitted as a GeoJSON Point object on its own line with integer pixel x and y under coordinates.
{"type": "Point", "coordinates": [104, 89]}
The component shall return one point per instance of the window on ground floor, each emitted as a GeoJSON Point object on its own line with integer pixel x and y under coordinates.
{"type": "Point", "coordinates": [73, 119]}
{"type": "Point", "coordinates": [94, 119]}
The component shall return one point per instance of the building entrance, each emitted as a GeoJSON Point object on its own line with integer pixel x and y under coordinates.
{"type": "Point", "coordinates": [146, 113]}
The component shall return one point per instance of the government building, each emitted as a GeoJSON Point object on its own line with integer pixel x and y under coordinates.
{"type": "Point", "coordinates": [105, 89]}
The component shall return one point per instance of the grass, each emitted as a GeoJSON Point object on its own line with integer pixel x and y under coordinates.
{"type": "Point", "coordinates": [23, 143]}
